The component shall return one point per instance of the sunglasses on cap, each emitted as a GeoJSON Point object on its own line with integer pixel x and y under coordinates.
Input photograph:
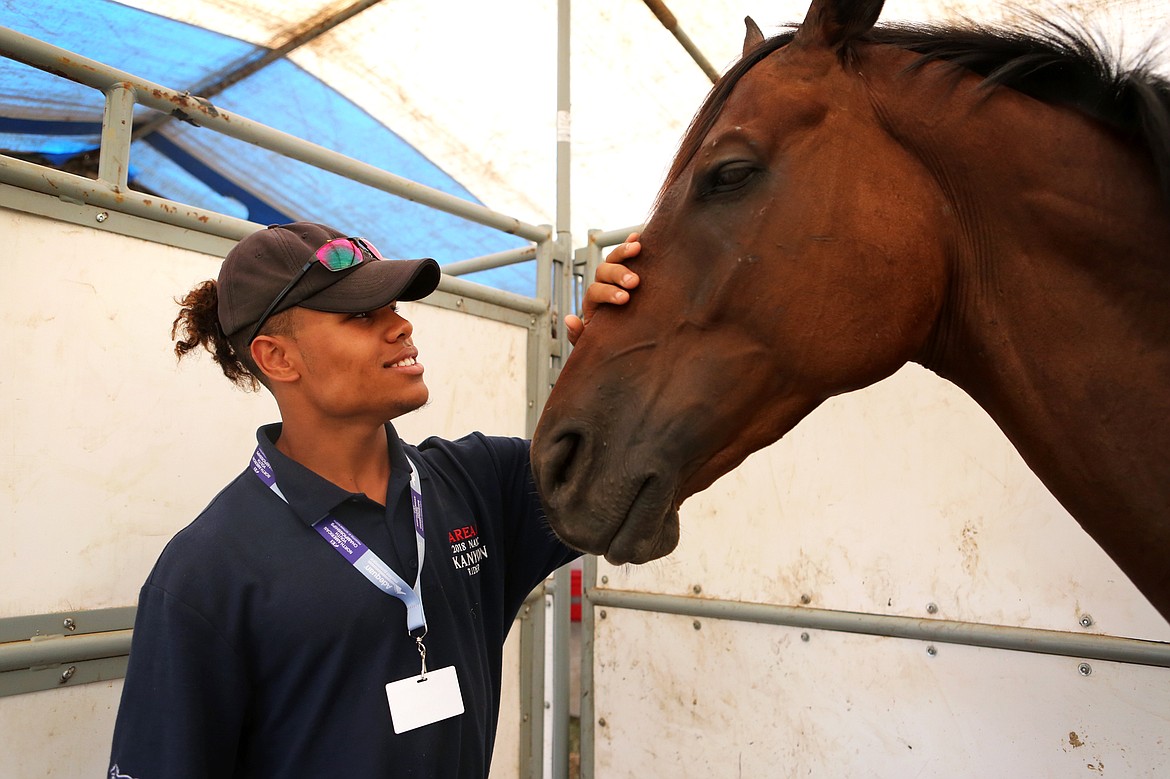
{"type": "Point", "coordinates": [338, 254]}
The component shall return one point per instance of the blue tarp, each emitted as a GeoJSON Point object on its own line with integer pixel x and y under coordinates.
{"type": "Point", "coordinates": [42, 114]}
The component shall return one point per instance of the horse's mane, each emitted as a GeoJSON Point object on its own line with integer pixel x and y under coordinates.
{"type": "Point", "coordinates": [1052, 62]}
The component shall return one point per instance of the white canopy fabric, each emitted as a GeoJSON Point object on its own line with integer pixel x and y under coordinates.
{"type": "Point", "coordinates": [471, 85]}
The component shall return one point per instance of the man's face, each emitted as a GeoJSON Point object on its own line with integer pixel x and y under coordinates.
{"type": "Point", "coordinates": [358, 366]}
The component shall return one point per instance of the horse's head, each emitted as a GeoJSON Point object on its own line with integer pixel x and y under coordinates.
{"type": "Point", "coordinates": [795, 253]}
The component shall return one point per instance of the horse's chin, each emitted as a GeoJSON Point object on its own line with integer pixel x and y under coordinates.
{"type": "Point", "coordinates": [644, 530]}
{"type": "Point", "coordinates": [634, 544]}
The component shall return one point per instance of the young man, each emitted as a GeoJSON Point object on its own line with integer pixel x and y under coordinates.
{"type": "Point", "coordinates": [340, 608]}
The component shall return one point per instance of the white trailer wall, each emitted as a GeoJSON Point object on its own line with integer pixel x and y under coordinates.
{"type": "Point", "coordinates": [903, 499]}
{"type": "Point", "coordinates": [108, 447]}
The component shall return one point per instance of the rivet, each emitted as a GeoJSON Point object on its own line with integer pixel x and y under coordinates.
{"type": "Point", "coordinates": [930, 650]}
{"type": "Point", "coordinates": [1085, 669]}
{"type": "Point", "coordinates": [601, 721]}
{"type": "Point", "coordinates": [696, 625]}
{"type": "Point", "coordinates": [1086, 621]}
{"type": "Point", "coordinates": [605, 580]}
{"type": "Point", "coordinates": [601, 614]}
{"type": "Point", "coordinates": [67, 674]}
{"type": "Point", "coordinates": [697, 589]}
{"type": "Point", "coordinates": [459, 303]}
{"type": "Point", "coordinates": [101, 217]}
{"type": "Point", "coordinates": [804, 636]}
{"type": "Point", "coordinates": [70, 624]}
{"type": "Point", "coordinates": [548, 704]}
{"type": "Point", "coordinates": [805, 599]}
{"type": "Point", "coordinates": [932, 608]}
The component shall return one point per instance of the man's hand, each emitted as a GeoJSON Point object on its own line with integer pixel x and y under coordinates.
{"type": "Point", "coordinates": [609, 286]}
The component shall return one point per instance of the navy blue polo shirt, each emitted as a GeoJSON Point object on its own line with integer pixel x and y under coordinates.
{"type": "Point", "coordinates": [258, 650]}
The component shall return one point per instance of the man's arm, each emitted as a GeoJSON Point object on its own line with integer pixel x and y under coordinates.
{"type": "Point", "coordinates": [183, 698]}
{"type": "Point", "coordinates": [610, 286]}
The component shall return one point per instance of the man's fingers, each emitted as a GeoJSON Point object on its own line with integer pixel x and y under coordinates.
{"type": "Point", "coordinates": [614, 274]}
{"type": "Point", "coordinates": [598, 295]}
{"type": "Point", "coordinates": [625, 251]}
{"type": "Point", "coordinates": [609, 287]}
{"type": "Point", "coordinates": [613, 270]}
{"type": "Point", "coordinates": [573, 327]}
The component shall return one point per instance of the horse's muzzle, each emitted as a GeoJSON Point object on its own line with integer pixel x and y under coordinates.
{"type": "Point", "coordinates": [602, 502]}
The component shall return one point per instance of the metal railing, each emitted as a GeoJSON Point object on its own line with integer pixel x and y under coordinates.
{"type": "Point", "coordinates": [29, 661]}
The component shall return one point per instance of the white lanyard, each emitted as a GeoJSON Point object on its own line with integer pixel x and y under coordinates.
{"type": "Point", "coordinates": [363, 558]}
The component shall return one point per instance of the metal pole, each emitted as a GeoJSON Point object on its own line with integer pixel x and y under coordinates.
{"type": "Point", "coordinates": [79, 189]}
{"type": "Point", "coordinates": [562, 278]}
{"type": "Point", "coordinates": [499, 297]}
{"type": "Point", "coordinates": [564, 117]}
{"type": "Point", "coordinates": [588, 625]}
{"type": "Point", "coordinates": [540, 341]}
{"type": "Point", "coordinates": [670, 23]}
{"type": "Point", "coordinates": [489, 261]}
{"type": "Point", "coordinates": [604, 238]}
{"type": "Point", "coordinates": [1049, 642]}
{"type": "Point", "coordinates": [22, 655]}
{"type": "Point", "coordinates": [198, 111]}
{"type": "Point", "coordinates": [114, 152]}
{"type": "Point", "coordinates": [532, 686]}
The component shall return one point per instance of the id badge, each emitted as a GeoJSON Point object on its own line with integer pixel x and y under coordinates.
{"type": "Point", "coordinates": [421, 700]}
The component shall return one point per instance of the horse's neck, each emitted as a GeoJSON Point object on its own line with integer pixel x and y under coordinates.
{"type": "Point", "coordinates": [1058, 324]}
{"type": "Point", "coordinates": [1074, 366]}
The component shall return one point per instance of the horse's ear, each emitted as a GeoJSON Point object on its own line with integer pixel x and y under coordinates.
{"type": "Point", "coordinates": [836, 22]}
{"type": "Point", "coordinates": [754, 37]}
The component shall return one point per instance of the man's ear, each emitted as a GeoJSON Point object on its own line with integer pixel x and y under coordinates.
{"type": "Point", "coordinates": [276, 357]}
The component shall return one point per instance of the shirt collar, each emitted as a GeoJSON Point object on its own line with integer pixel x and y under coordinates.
{"type": "Point", "coordinates": [311, 496]}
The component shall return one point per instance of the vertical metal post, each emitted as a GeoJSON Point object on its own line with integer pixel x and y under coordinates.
{"type": "Point", "coordinates": [562, 284]}
{"type": "Point", "coordinates": [564, 117]}
{"type": "Point", "coordinates": [540, 337]}
{"type": "Point", "coordinates": [117, 124]}
{"type": "Point", "coordinates": [562, 280]}
{"type": "Point", "coordinates": [588, 625]}
{"type": "Point", "coordinates": [562, 595]}
{"type": "Point", "coordinates": [592, 256]}
{"type": "Point", "coordinates": [532, 642]}
{"type": "Point", "coordinates": [532, 686]}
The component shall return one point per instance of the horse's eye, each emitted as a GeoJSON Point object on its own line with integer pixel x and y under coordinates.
{"type": "Point", "coordinates": [728, 177]}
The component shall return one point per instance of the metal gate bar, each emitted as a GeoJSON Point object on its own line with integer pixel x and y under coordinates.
{"type": "Point", "coordinates": [1049, 642]}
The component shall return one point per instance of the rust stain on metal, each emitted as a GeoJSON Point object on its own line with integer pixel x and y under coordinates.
{"type": "Point", "coordinates": [74, 64]}
{"type": "Point", "coordinates": [206, 106]}
{"type": "Point", "coordinates": [1074, 739]}
{"type": "Point", "coordinates": [186, 101]}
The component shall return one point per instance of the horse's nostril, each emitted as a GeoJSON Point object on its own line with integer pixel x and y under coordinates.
{"type": "Point", "coordinates": [564, 457]}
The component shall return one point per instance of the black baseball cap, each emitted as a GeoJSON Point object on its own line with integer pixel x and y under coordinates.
{"type": "Point", "coordinates": [262, 265]}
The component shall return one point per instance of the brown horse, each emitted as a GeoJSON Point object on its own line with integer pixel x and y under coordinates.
{"type": "Point", "coordinates": [992, 205]}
